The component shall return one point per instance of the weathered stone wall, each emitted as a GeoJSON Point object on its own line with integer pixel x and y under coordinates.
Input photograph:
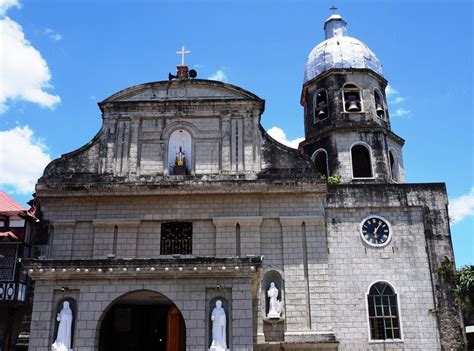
{"type": "Point", "coordinates": [95, 296]}
{"type": "Point", "coordinates": [409, 263]}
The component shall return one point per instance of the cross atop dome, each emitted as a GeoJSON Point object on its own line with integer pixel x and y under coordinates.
{"type": "Point", "coordinates": [183, 52]}
{"type": "Point", "coordinates": [333, 9]}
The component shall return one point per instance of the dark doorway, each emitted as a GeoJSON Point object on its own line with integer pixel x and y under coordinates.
{"type": "Point", "coordinates": [142, 327]}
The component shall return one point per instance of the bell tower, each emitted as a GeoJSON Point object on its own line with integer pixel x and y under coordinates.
{"type": "Point", "coordinates": [346, 119]}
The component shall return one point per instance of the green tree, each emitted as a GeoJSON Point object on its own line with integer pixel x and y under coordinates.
{"type": "Point", "coordinates": [466, 288]}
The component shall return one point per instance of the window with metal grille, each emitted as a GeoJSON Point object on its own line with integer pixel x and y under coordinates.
{"type": "Point", "coordinates": [383, 312]}
{"type": "Point", "coordinates": [8, 256]}
{"type": "Point", "coordinates": [176, 238]}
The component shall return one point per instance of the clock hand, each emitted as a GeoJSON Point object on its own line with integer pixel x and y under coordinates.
{"type": "Point", "coordinates": [376, 229]}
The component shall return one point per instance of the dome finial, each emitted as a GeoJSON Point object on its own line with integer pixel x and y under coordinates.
{"type": "Point", "coordinates": [335, 25]}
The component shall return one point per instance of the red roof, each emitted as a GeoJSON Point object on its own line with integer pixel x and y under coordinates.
{"type": "Point", "coordinates": [9, 235]}
{"type": "Point", "coordinates": [8, 205]}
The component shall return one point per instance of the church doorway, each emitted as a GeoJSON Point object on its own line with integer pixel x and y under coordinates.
{"type": "Point", "coordinates": [142, 321]}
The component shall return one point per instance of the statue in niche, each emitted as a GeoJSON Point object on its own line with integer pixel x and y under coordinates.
{"type": "Point", "coordinates": [180, 162]}
{"type": "Point", "coordinates": [275, 306]}
{"type": "Point", "coordinates": [63, 339]}
{"type": "Point", "coordinates": [219, 336]}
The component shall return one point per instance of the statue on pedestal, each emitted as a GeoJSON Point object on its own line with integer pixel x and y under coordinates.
{"type": "Point", "coordinates": [275, 306]}
{"type": "Point", "coordinates": [63, 339]}
{"type": "Point", "coordinates": [180, 162]}
{"type": "Point", "coordinates": [219, 336]}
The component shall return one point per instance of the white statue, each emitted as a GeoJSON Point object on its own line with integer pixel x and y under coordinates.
{"type": "Point", "coordinates": [275, 306]}
{"type": "Point", "coordinates": [63, 339]}
{"type": "Point", "coordinates": [219, 337]}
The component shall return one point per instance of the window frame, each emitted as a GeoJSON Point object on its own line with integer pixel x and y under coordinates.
{"type": "Point", "coordinates": [371, 160]}
{"type": "Point", "coordinates": [382, 101]}
{"type": "Point", "coordinates": [315, 101]}
{"type": "Point", "coordinates": [316, 153]}
{"type": "Point", "coordinates": [369, 335]}
{"type": "Point", "coordinates": [393, 152]}
{"type": "Point", "coordinates": [162, 239]}
{"type": "Point", "coordinates": [358, 90]}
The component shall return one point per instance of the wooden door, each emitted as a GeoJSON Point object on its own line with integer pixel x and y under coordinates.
{"type": "Point", "coordinates": [174, 318]}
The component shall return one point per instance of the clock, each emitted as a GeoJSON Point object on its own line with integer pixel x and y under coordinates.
{"type": "Point", "coordinates": [375, 231]}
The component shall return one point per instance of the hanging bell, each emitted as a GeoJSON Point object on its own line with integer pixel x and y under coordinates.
{"type": "Point", "coordinates": [353, 106]}
{"type": "Point", "coordinates": [321, 112]}
{"type": "Point", "coordinates": [379, 109]}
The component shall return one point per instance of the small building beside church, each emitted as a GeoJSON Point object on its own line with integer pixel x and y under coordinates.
{"type": "Point", "coordinates": [182, 225]}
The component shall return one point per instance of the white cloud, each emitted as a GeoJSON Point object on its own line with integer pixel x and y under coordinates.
{"type": "Point", "coordinates": [54, 36]}
{"type": "Point", "coordinates": [398, 100]}
{"type": "Point", "coordinates": [22, 159]}
{"type": "Point", "coordinates": [279, 135]}
{"type": "Point", "coordinates": [6, 4]}
{"type": "Point", "coordinates": [218, 75]}
{"type": "Point", "coordinates": [401, 112]}
{"type": "Point", "coordinates": [390, 91]}
{"type": "Point", "coordinates": [462, 207]}
{"type": "Point", "coordinates": [25, 74]}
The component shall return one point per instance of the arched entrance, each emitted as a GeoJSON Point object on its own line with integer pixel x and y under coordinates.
{"type": "Point", "coordinates": [143, 321]}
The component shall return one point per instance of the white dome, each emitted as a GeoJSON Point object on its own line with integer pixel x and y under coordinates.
{"type": "Point", "coordinates": [339, 51]}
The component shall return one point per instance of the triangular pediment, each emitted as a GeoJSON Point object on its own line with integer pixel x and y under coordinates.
{"type": "Point", "coordinates": [178, 90]}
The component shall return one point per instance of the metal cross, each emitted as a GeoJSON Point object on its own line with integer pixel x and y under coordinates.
{"type": "Point", "coordinates": [333, 9]}
{"type": "Point", "coordinates": [182, 53]}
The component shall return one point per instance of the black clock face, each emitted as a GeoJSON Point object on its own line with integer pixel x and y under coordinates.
{"type": "Point", "coordinates": [375, 231]}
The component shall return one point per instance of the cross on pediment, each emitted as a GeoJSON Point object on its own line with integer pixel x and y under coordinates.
{"type": "Point", "coordinates": [183, 52]}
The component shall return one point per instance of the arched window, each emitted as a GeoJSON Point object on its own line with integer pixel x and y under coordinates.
{"type": "Point", "coordinates": [384, 317]}
{"type": "Point", "coordinates": [379, 105]}
{"type": "Point", "coordinates": [351, 97]}
{"type": "Point", "coordinates": [179, 153]}
{"type": "Point", "coordinates": [320, 159]}
{"type": "Point", "coordinates": [321, 105]}
{"type": "Point", "coordinates": [394, 168]}
{"type": "Point", "coordinates": [361, 161]}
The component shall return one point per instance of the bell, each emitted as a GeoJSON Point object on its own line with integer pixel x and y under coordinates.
{"type": "Point", "coordinates": [379, 109]}
{"type": "Point", "coordinates": [321, 112]}
{"type": "Point", "coordinates": [353, 106]}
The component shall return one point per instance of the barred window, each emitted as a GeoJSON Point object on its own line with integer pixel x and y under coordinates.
{"type": "Point", "coordinates": [176, 238]}
{"type": "Point", "coordinates": [383, 312]}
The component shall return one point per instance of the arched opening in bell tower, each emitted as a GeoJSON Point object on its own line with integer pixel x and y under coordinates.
{"type": "Point", "coordinates": [361, 161]}
{"type": "Point", "coordinates": [320, 159]}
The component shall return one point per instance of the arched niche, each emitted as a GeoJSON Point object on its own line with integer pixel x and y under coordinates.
{"type": "Point", "coordinates": [226, 307]}
{"type": "Point", "coordinates": [275, 277]}
{"type": "Point", "coordinates": [59, 306]}
{"type": "Point", "coordinates": [180, 157]}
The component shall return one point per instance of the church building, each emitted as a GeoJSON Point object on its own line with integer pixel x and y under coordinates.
{"type": "Point", "coordinates": [182, 225]}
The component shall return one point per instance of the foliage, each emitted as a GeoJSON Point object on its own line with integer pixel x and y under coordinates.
{"type": "Point", "coordinates": [466, 287]}
{"type": "Point", "coordinates": [446, 271]}
{"type": "Point", "coordinates": [334, 180]}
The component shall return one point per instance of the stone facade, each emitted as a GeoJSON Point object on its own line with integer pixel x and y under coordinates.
{"type": "Point", "coordinates": [259, 213]}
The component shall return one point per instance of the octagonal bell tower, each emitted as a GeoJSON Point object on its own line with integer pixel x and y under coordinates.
{"type": "Point", "coordinates": [347, 124]}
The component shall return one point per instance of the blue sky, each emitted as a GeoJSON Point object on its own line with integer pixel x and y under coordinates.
{"type": "Point", "coordinates": [76, 53]}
